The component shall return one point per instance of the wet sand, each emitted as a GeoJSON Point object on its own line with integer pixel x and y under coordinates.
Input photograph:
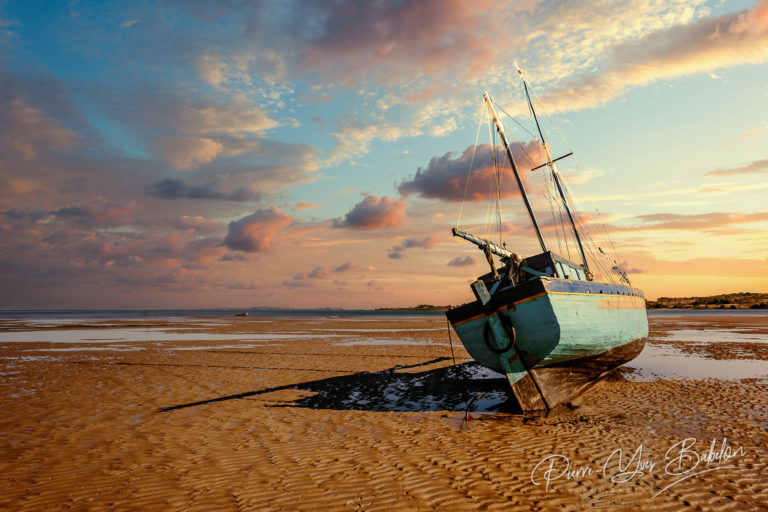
{"type": "Point", "coordinates": [368, 413]}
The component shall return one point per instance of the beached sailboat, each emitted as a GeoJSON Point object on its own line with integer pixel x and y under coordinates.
{"type": "Point", "coordinates": [549, 324]}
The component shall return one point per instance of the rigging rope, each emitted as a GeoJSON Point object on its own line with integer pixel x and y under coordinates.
{"type": "Point", "coordinates": [471, 164]}
{"type": "Point", "coordinates": [558, 206]}
{"type": "Point", "coordinates": [588, 226]}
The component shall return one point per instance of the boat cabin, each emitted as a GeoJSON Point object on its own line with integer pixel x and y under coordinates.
{"type": "Point", "coordinates": [553, 265]}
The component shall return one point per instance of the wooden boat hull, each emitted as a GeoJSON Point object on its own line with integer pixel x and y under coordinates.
{"type": "Point", "coordinates": [567, 334]}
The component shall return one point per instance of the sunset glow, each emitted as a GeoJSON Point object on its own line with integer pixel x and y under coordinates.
{"type": "Point", "coordinates": [314, 154]}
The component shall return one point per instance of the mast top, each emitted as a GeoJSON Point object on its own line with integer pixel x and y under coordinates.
{"type": "Point", "coordinates": [503, 136]}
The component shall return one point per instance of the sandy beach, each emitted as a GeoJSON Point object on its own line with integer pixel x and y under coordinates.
{"type": "Point", "coordinates": [368, 413]}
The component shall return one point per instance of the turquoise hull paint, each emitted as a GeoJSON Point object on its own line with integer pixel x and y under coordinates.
{"type": "Point", "coordinates": [557, 327]}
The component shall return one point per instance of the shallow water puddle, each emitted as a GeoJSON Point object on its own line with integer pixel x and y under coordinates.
{"type": "Point", "coordinates": [712, 335]}
{"type": "Point", "coordinates": [137, 335]}
{"type": "Point", "coordinates": [214, 347]}
{"type": "Point", "coordinates": [670, 363]}
{"type": "Point", "coordinates": [108, 348]}
{"type": "Point", "coordinates": [385, 341]}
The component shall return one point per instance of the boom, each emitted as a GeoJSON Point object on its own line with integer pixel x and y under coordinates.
{"type": "Point", "coordinates": [495, 249]}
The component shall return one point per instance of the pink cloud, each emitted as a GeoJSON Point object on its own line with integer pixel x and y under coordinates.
{"type": "Point", "coordinates": [446, 177]}
{"type": "Point", "coordinates": [374, 213]}
{"type": "Point", "coordinates": [28, 130]}
{"type": "Point", "coordinates": [257, 232]}
{"type": "Point", "coordinates": [393, 40]}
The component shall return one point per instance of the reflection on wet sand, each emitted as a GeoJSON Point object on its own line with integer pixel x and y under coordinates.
{"type": "Point", "coordinates": [329, 414]}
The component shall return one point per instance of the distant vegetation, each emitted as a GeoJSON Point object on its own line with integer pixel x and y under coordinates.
{"type": "Point", "coordinates": [742, 300]}
{"type": "Point", "coordinates": [420, 307]}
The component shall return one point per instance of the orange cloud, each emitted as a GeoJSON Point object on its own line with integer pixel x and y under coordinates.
{"type": "Point", "coordinates": [751, 168]}
{"type": "Point", "coordinates": [302, 205]}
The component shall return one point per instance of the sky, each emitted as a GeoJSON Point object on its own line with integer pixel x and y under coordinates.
{"type": "Point", "coordinates": [307, 154]}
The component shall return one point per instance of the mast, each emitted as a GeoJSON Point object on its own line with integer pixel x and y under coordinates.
{"type": "Point", "coordinates": [555, 174]}
{"type": "Point", "coordinates": [500, 129]}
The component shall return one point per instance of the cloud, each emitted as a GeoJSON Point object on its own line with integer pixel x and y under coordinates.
{"type": "Point", "coordinates": [242, 284]}
{"type": "Point", "coordinates": [301, 205]}
{"type": "Point", "coordinates": [98, 210]}
{"type": "Point", "coordinates": [319, 273]}
{"type": "Point", "coordinates": [374, 213]}
{"type": "Point", "coordinates": [257, 232]}
{"type": "Point", "coordinates": [165, 112]}
{"type": "Point", "coordinates": [354, 138]}
{"type": "Point", "coordinates": [19, 214]}
{"type": "Point", "coordinates": [715, 222]}
{"type": "Point", "coordinates": [18, 187]}
{"type": "Point", "coordinates": [344, 267]}
{"type": "Point", "coordinates": [28, 130]}
{"type": "Point", "coordinates": [458, 261]}
{"type": "Point", "coordinates": [752, 168]}
{"type": "Point", "coordinates": [446, 177]}
{"type": "Point", "coordinates": [211, 69]}
{"type": "Point", "coordinates": [178, 189]}
{"type": "Point", "coordinates": [398, 252]}
{"type": "Point", "coordinates": [300, 280]}
{"type": "Point", "coordinates": [197, 224]}
{"type": "Point", "coordinates": [400, 40]}
{"type": "Point", "coordinates": [684, 49]}
{"type": "Point", "coordinates": [627, 269]}
{"type": "Point", "coordinates": [237, 117]}
{"type": "Point", "coordinates": [186, 153]}
{"type": "Point", "coordinates": [677, 193]}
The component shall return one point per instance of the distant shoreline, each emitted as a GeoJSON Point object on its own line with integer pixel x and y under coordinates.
{"type": "Point", "coordinates": [740, 300]}
{"type": "Point", "coordinates": [731, 301]}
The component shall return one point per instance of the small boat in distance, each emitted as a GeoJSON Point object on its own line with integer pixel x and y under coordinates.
{"type": "Point", "coordinates": [548, 323]}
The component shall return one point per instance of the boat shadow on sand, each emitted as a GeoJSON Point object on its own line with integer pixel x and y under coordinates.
{"type": "Point", "coordinates": [451, 388]}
